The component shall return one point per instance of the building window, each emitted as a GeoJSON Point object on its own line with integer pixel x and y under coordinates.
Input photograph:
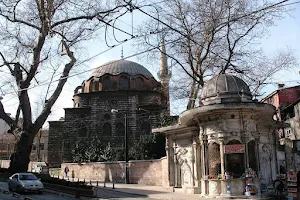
{"type": "Point", "coordinates": [82, 131]}
{"type": "Point", "coordinates": [214, 160]}
{"type": "Point", "coordinates": [124, 83]}
{"type": "Point", "coordinates": [145, 128]}
{"type": "Point", "coordinates": [106, 83]}
{"type": "Point", "coordinates": [91, 88]}
{"type": "Point", "coordinates": [107, 129]}
{"type": "Point", "coordinates": [252, 155]}
{"type": "Point", "coordinates": [96, 86]}
{"type": "Point", "coordinates": [33, 147]}
{"type": "Point", "coordinates": [120, 116]}
{"type": "Point", "coordinates": [235, 161]}
{"type": "Point", "coordinates": [42, 146]}
{"type": "Point", "coordinates": [107, 116]}
{"type": "Point", "coordinates": [120, 129]}
{"type": "Point", "coordinates": [140, 84]}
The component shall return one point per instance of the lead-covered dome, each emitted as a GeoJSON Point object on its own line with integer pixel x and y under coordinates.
{"type": "Point", "coordinates": [225, 88]}
{"type": "Point", "coordinates": [121, 66]}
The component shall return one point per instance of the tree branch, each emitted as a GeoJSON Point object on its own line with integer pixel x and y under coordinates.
{"type": "Point", "coordinates": [63, 79]}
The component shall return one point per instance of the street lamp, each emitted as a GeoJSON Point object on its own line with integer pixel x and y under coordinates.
{"type": "Point", "coordinates": [126, 146]}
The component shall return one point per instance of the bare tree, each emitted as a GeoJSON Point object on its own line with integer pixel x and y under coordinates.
{"type": "Point", "coordinates": [37, 34]}
{"type": "Point", "coordinates": [205, 37]}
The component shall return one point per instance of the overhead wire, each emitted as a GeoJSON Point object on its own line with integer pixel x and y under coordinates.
{"type": "Point", "coordinates": [90, 58]}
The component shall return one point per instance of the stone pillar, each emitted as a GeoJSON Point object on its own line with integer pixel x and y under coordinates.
{"type": "Point", "coordinates": [170, 162]}
{"type": "Point", "coordinates": [176, 172]}
{"type": "Point", "coordinates": [204, 183]}
{"type": "Point", "coordinates": [193, 161]}
{"type": "Point", "coordinates": [257, 154]}
{"type": "Point", "coordinates": [222, 158]}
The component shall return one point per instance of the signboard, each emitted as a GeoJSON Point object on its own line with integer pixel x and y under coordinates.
{"type": "Point", "coordinates": [234, 148]}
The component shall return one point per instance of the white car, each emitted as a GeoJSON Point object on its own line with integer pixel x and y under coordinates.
{"type": "Point", "coordinates": [25, 182]}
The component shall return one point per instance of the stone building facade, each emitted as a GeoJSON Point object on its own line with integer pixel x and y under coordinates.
{"type": "Point", "coordinates": [123, 86]}
{"type": "Point", "coordinates": [217, 147]}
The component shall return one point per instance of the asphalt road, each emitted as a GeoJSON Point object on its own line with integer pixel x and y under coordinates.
{"type": "Point", "coordinates": [47, 195]}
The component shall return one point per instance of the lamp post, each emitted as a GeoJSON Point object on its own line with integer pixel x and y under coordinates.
{"type": "Point", "coordinates": [126, 145]}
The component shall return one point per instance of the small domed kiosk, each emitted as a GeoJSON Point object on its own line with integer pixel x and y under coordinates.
{"type": "Point", "coordinates": [226, 146]}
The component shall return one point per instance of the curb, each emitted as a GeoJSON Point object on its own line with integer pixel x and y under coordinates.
{"type": "Point", "coordinates": [117, 190]}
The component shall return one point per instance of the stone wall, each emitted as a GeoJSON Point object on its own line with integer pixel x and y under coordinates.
{"type": "Point", "coordinates": [31, 165]}
{"type": "Point", "coordinates": [146, 172]}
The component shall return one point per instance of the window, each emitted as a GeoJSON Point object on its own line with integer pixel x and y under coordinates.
{"type": "Point", "coordinates": [106, 83]}
{"type": "Point", "coordinates": [27, 177]}
{"type": "Point", "coordinates": [145, 128]}
{"type": "Point", "coordinates": [214, 160]}
{"type": "Point", "coordinates": [252, 155]}
{"type": "Point", "coordinates": [120, 116]}
{"type": "Point", "coordinates": [96, 86]}
{"type": "Point", "coordinates": [107, 129]}
{"type": "Point", "coordinates": [140, 84]}
{"type": "Point", "coordinates": [124, 83]}
{"type": "Point", "coordinates": [91, 89]}
{"type": "Point", "coordinates": [33, 147]}
{"type": "Point", "coordinates": [120, 129]}
{"type": "Point", "coordinates": [15, 177]}
{"type": "Point", "coordinates": [235, 161]}
{"type": "Point", "coordinates": [42, 146]}
{"type": "Point", "coordinates": [82, 131]}
{"type": "Point", "coordinates": [107, 116]}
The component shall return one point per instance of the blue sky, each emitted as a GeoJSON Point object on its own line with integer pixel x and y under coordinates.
{"type": "Point", "coordinates": [285, 34]}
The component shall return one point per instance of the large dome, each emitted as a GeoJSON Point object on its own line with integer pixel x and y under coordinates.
{"type": "Point", "coordinates": [121, 66]}
{"type": "Point", "coordinates": [225, 88]}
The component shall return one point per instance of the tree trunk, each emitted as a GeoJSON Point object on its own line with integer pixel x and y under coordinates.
{"type": "Point", "coordinates": [20, 159]}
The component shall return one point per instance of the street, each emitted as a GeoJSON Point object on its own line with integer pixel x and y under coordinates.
{"type": "Point", "coordinates": [103, 194]}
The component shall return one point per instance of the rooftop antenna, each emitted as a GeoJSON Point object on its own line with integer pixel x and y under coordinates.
{"type": "Point", "coordinates": [122, 53]}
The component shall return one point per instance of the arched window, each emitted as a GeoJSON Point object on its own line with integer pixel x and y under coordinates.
{"type": "Point", "coordinates": [140, 84]}
{"type": "Point", "coordinates": [82, 130]}
{"type": "Point", "coordinates": [214, 160]}
{"type": "Point", "coordinates": [120, 129]}
{"type": "Point", "coordinates": [106, 83]}
{"type": "Point", "coordinates": [107, 116]}
{"type": "Point", "coordinates": [107, 129]}
{"type": "Point", "coordinates": [145, 128]}
{"type": "Point", "coordinates": [235, 161]}
{"type": "Point", "coordinates": [96, 85]}
{"type": "Point", "coordinates": [91, 88]}
{"type": "Point", "coordinates": [124, 83]}
{"type": "Point", "coordinates": [252, 155]}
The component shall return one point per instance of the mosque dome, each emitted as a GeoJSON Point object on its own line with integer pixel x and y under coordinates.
{"type": "Point", "coordinates": [119, 75]}
{"type": "Point", "coordinates": [117, 67]}
{"type": "Point", "coordinates": [225, 88]}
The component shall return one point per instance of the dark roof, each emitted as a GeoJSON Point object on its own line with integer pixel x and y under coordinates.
{"type": "Point", "coordinates": [121, 66]}
{"type": "Point", "coordinates": [225, 87]}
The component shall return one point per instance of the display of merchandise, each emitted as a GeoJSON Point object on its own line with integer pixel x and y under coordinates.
{"type": "Point", "coordinates": [292, 184]}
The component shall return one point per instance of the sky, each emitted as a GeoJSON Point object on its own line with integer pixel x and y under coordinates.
{"type": "Point", "coordinates": [285, 34]}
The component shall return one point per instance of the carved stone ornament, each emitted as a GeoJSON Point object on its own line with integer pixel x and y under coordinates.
{"type": "Point", "coordinates": [233, 133]}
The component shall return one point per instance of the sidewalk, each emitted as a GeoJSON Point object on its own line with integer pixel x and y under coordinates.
{"type": "Point", "coordinates": [158, 192]}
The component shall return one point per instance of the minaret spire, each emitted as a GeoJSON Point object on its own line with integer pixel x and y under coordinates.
{"type": "Point", "coordinates": [164, 74]}
{"type": "Point", "coordinates": [122, 56]}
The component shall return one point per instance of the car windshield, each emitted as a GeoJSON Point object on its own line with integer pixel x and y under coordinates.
{"type": "Point", "coordinates": [27, 177]}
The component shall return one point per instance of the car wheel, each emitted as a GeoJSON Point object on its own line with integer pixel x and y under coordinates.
{"type": "Point", "coordinates": [9, 187]}
{"type": "Point", "coordinates": [40, 192]}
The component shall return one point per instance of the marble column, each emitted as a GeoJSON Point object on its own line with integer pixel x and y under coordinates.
{"type": "Point", "coordinates": [176, 172]}
{"type": "Point", "coordinates": [222, 157]}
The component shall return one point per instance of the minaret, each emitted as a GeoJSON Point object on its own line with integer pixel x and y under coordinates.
{"type": "Point", "coordinates": [164, 74]}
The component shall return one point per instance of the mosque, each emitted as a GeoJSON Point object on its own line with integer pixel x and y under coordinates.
{"type": "Point", "coordinates": [122, 86]}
